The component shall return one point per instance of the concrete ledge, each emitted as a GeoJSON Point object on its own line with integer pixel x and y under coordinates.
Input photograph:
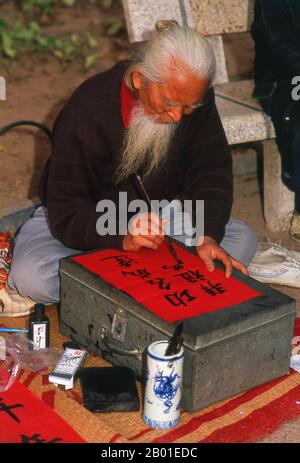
{"type": "Point", "coordinates": [221, 68]}
{"type": "Point", "coordinates": [278, 199]}
{"type": "Point", "coordinates": [238, 91]}
{"type": "Point", "coordinates": [141, 16]}
{"type": "Point", "coordinates": [243, 124]}
{"type": "Point", "coordinates": [210, 17]}
{"type": "Point", "coordinates": [213, 17]}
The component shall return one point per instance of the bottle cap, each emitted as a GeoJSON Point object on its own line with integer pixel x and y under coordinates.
{"type": "Point", "coordinates": [39, 311]}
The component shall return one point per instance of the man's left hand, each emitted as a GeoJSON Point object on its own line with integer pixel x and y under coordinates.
{"type": "Point", "coordinates": [209, 251]}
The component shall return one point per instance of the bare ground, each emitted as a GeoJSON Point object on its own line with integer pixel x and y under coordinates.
{"type": "Point", "coordinates": [37, 88]}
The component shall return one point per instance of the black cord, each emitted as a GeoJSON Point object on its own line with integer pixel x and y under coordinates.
{"type": "Point", "coordinates": [31, 123]}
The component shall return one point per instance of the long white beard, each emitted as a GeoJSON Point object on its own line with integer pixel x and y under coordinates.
{"type": "Point", "coordinates": [146, 144]}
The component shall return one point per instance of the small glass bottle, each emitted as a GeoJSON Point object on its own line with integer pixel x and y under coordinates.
{"type": "Point", "coordinates": [39, 328]}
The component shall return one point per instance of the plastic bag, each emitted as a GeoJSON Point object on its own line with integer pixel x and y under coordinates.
{"type": "Point", "coordinates": [9, 367]}
{"type": "Point", "coordinates": [16, 353]}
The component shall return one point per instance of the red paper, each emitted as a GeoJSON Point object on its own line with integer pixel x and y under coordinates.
{"type": "Point", "coordinates": [154, 279]}
{"type": "Point", "coordinates": [26, 419]}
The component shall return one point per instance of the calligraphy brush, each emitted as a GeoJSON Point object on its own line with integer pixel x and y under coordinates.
{"type": "Point", "coordinates": [167, 238]}
{"type": "Point", "coordinates": [176, 341]}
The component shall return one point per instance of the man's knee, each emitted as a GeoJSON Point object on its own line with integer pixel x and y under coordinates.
{"type": "Point", "coordinates": [247, 242]}
{"type": "Point", "coordinates": [32, 280]}
{"type": "Point", "coordinates": [247, 233]}
{"type": "Point", "coordinates": [240, 241]}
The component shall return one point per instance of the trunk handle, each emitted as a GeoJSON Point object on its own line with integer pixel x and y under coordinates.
{"type": "Point", "coordinates": [137, 352]}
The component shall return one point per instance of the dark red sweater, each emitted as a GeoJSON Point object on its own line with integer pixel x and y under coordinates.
{"type": "Point", "coordinates": [87, 146]}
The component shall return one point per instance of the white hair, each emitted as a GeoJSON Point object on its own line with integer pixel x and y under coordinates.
{"type": "Point", "coordinates": [178, 45]}
{"type": "Point", "coordinates": [146, 144]}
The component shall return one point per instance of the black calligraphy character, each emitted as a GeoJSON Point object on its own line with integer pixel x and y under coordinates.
{"type": "Point", "coordinates": [191, 276]}
{"type": "Point", "coordinates": [213, 290]}
{"type": "Point", "coordinates": [177, 266]}
{"type": "Point", "coordinates": [7, 409]}
{"type": "Point", "coordinates": [160, 282]}
{"type": "Point", "coordinates": [177, 300]}
{"type": "Point", "coordinates": [123, 261]}
{"type": "Point", "coordinates": [36, 438]}
{"type": "Point", "coordinates": [142, 273]}
{"type": "Point", "coordinates": [38, 338]}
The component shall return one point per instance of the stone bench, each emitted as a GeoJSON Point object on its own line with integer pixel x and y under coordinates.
{"type": "Point", "coordinates": [241, 115]}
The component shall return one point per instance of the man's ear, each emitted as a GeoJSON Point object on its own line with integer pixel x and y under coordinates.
{"type": "Point", "coordinates": [138, 80]}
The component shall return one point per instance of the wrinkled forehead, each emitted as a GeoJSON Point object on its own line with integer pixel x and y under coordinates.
{"type": "Point", "coordinates": [186, 88]}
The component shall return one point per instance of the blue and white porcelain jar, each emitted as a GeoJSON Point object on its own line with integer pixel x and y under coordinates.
{"type": "Point", "coordinates": [163, 387]}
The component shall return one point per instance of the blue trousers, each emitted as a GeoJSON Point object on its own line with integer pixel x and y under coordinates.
{"type": "Point", "coordinates": [35, 265]}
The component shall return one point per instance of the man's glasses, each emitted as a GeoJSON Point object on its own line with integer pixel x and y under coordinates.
{"type": "Point", "coordinates": [177, 105]}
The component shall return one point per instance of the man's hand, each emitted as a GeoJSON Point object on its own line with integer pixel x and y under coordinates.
{"type": "Point", "coordinates": [209, 250]}
{"type": "Point", "coordinates": [146, 230]}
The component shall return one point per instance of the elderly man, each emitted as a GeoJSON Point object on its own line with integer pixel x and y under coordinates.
{"type": "Point", "coordinates": [157, 116]}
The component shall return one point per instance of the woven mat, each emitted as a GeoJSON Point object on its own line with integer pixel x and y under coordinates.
{"type": "Point", "coordinates": [245, 418]}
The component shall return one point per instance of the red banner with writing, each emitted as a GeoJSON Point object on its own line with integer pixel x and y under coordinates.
{"type": "Point", "coordinates": [173, 291]}
{"type": "Point", "coordinates": [24, 418]}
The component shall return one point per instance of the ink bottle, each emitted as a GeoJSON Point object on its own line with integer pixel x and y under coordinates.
{"type": "Point", "coordinates": [39, 328]}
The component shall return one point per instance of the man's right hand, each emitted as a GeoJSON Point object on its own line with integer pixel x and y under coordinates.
{"type": "Point", "coordinates": [146, 230]}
